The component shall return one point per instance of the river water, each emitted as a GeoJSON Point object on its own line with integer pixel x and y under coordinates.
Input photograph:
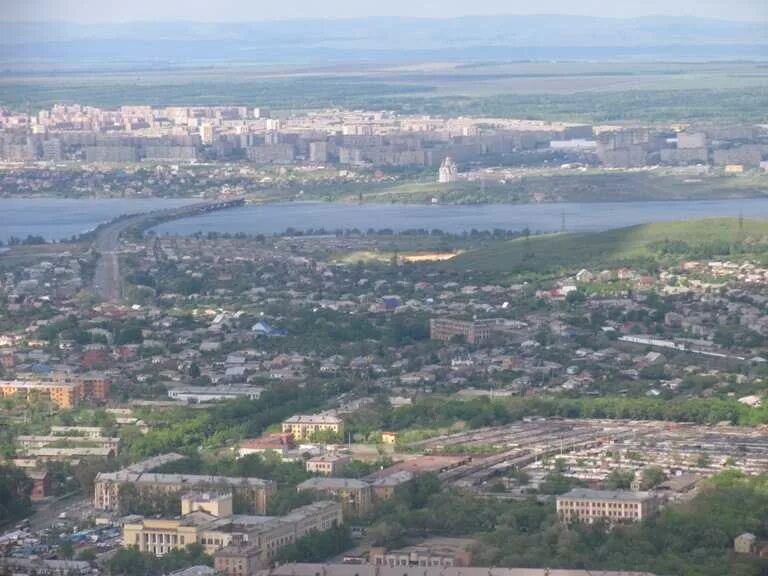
{"type": "Point", "coordinates": [60, 219]}
{"type": "Point", "coordinates": [274, 218]}
{"type": "Point", "coordinates": [57, 219]}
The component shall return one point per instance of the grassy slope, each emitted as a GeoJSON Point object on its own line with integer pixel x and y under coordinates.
{"type": "Point", "coordinates": [554, 251]}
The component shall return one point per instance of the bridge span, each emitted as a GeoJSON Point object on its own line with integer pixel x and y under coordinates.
{"type": "Point", "coordinates": [107, 281]}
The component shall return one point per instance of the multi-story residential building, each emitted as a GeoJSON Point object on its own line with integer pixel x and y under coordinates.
{"type": "Point", "coordinates": [327, 465]}
{"type": "Point", "coordinates": [444, 552]}
{"type": "Point", "coordinates": [318, 151]}
{"type": "Point", "coordinates": [304, 427]}
{"type": "Point", "coordinates": [353, 495]}
{"type": "Point", "coordinates": [80, 431]}
{"type": "Point", "coordinates": [25, 442]}
{"type": "Point", "coordinates": [241, 560]}
{"type": "Point", "coordinates": [340, 569]}
{"type": "Point", "coordinates": [383, 487]}
{"type": "Point", "coordinates": [63, 394]}
{"type": "Point", "coordinates": [43, 567]}
{"type": "Point", "coordinates": [107, 486]}
{"type": "Point", "coordinates": [203, 394]}
{"type": "Point", "coordinates": [264, 543]}
{"type": "Point", "coordinates": [65, 391]}
{"type": "Point", "coordinates": [613, 506]}
{"type": "Point", "coordinates": [472, 331]}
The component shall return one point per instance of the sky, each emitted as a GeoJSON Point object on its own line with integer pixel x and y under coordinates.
{"type": "Point", "coordinates": [94, 11]}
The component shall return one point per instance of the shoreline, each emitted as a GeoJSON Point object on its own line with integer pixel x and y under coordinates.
{"type": "Point", "coordinates": [190, 200]}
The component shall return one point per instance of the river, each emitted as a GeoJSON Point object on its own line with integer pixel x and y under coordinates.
{"type": "Point", "coordinates": [275, 218]}
{"type": "Point", "coordinates": [60, 219]}
{"type": "Point", "coordinates": [57, 219]}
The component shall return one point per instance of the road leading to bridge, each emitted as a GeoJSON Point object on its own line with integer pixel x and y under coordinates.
{"type": "Point", "coordinates": [107, 281]}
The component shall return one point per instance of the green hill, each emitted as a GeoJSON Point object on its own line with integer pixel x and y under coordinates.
{"type": "Point", "coordinates": [638, 245]}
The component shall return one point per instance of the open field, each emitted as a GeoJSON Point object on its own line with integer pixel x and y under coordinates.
{"type": "Point", "coordinates": [648, 242]}
{"type": "Point", "coordinates": [578, 91]}
{"type": "Point", "coordinates": [384, 256]}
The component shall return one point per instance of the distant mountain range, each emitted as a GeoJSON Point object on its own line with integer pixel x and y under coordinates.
{"type": "Point", "coordinates": [471, 37]}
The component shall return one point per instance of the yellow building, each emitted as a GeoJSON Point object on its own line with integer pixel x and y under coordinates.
{"type": "Point", "coordinates": [389, 437]}
{"type": "Point", "coordinates": [63, 394]}
{"type": "Point", "coordinates": [304, 427]}
{"type": "Point", "coordinates": [63, 390]}
{"type": "Point", "coordinates": [241, 536]}
{"type": "Point", "coordinates": [472, 331]}
{"type": "Point", "coordinates": [158, 536]}
{"type": "Point", "coordinates": [219, 505]}
{"type": "Point", "coordinates": [612, 506]}
{"type": "Point", "coordinates": [106, 493]}
{"type": "Point", "coordinates": [262, 545]}
{"type": "Point", "coordinates": [327, 465]}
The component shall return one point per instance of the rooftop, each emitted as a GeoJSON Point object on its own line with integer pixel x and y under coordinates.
{"type": "Point", "coordinates": [190, 479]}
{"type": "Point", "coordinates": [332, 484]}
{"type": "Point", "coordinates": [370, 570]}
{"type": "Point", "coordinates": [313, 419]}
{"type": "Point", "coordinates": [621, 495]}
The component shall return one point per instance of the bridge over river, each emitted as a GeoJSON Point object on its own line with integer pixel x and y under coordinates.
{"type": "Point", "coordinates": [107, 281]}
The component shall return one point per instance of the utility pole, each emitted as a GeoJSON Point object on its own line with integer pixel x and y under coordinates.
{"type": "Point", "coordinates": [740, 236]}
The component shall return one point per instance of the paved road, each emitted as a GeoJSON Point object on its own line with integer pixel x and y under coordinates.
{"type": "Point", "coordinates": [47, 513]}
{"type": "Point", "coordinates": [107, 282]}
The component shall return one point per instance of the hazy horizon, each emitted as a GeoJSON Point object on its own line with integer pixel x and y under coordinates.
{"type": "Point", "coordinates": [229, 11]}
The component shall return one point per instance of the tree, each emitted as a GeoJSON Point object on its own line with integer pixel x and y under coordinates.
{"type": "Point", "coordinates": [15, 490]}
{"type": "Point", "coordinates": [619, 479]}
{"type": "Point", "coordinates": [86, 555]}
{"type": "Point", "coordinates": [387, 534]}
{"type": "Point", "coordinates": [652, 477]}
{"type": "Point", "coordinates": [66, 550]}
{"type": "Point", "coordinates": [131, 562]}
{"type": "Point", "coordinates": [416, 493]}
{"type": "Point", "coordinates": [317, 546]}
{"type": "Point", "coordinates": [703, 461]}
{"type": "Point", "coordinates": [288, 498]}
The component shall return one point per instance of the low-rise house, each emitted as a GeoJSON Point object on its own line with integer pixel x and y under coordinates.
{"type": "Point", "coordinates": [745, 543]}
{"type": "Point", "coordinates": [278, 443]}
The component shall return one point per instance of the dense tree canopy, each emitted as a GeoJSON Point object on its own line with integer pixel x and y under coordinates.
{"type": "Point", "coordinates": [15, 488]}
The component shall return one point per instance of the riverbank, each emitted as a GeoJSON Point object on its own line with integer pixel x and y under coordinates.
{"type": "Point", "coordinates": [536, 187]}
{"type": "Point", "coordinates": [324, 218]}
{"type": "Point", "coordinates": [492, 185]}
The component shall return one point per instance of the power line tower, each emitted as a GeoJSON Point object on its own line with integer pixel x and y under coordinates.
{"type": "Point", "coordinates": [740, 237]}
{"type": "Point", "coordinates": [527, 245]}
